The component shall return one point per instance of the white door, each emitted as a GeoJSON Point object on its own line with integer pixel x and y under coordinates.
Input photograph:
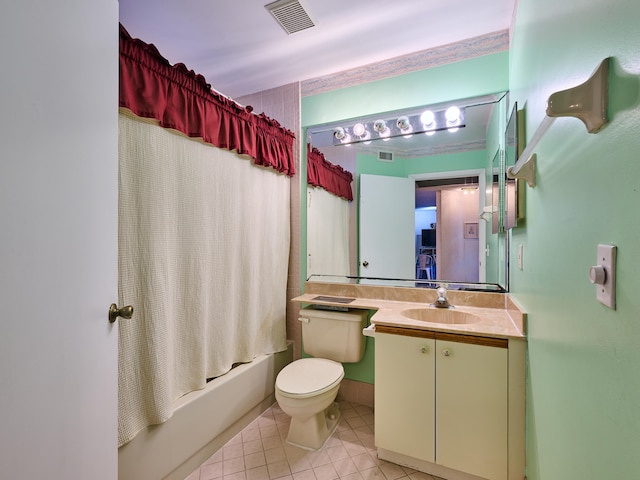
{"type": "Point", "coordinates": [387, 227]}
{"type": "Point", "coordinates": [58, 240]}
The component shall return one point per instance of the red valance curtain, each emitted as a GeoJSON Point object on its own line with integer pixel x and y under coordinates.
{"type": "Point", "coordinates": [181, 99]}
{"type": "Point", "coordinates": [322, 173]}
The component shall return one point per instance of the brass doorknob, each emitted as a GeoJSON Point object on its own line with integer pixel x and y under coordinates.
{"type": "Point", "coordinates": [115, 312]}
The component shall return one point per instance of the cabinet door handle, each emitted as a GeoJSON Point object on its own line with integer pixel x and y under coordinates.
{"type": "Point", "coordinates": [446, 352]}
{"type": "Point", "coordinates": [424, 349]}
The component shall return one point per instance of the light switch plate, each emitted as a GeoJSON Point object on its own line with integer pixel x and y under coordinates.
{"type": "Point", "coordinates": [606, 293]}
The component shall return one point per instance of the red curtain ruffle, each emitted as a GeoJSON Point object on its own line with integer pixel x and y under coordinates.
{"type": "Point", "coordinates": [322, 173]}
{"type": "Point", "coordinates": [181, 99]}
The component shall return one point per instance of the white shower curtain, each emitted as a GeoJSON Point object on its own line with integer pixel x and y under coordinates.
{"type": "Point", "coordinates": [327, 233]}
{"type": "Point", "coordinates": [203, 257]}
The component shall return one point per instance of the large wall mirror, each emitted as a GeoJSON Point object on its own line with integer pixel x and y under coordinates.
{"type": "Point", "coordinates": [425, 201]}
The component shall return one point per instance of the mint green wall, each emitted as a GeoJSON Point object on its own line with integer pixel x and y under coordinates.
{"type": "Point", "coordinates": [583, 396]}
{"type": "Point", "coordinates": [468, 78]}
{"type": "Point", "coordinates": [403, 167]}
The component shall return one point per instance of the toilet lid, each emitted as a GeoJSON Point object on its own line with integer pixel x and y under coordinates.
{"type": "Point", "coordinates": [309, 375]}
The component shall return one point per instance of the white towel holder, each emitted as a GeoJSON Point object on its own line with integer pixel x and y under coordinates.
{"type": "Point", "coordinates": [587, 102]}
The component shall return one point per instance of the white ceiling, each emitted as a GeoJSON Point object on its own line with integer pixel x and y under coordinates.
{"type": "Point", "coordinates": [240, 49]}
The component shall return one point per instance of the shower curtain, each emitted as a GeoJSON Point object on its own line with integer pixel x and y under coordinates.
{"type": "Point", "coordinates": [204, 236]}
{"type": "Point", "coordinates": [328, 195]}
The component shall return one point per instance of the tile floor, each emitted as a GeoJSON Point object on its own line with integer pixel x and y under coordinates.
{"type": "Point", "coordinates": [260, 452]}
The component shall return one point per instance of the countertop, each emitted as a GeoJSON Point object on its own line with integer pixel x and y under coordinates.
{"type": "Point", "coordinates": [500, 317]}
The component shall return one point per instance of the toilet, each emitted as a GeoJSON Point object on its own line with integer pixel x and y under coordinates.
{"type": "Point", "coordinates": [306, 388]}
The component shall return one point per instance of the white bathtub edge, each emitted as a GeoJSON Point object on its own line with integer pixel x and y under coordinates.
{"type": "Point", "coordinates": [202, 422]}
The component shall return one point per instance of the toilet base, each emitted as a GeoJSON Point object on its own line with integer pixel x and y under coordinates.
{"type": "Point", "coordinates": [311, 433]}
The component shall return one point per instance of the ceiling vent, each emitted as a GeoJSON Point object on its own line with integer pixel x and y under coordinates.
{"type": "Point", "coordinates": [385, 156]}
{"type": "Point", "coordinates": [291, 15]}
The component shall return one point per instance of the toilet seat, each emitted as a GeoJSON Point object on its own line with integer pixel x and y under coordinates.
{"type": "Point", "coordinates": [309, 377]}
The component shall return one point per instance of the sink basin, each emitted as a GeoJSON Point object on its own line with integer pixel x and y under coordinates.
{"type": "Point", "coordinates": [440, 315]}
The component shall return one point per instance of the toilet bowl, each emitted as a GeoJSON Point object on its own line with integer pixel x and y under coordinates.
{"type": "Point", "coordinates": [306, 390]}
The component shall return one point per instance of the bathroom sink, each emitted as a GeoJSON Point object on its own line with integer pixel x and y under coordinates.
{"type": "Point", "coordinates": [440, 315]}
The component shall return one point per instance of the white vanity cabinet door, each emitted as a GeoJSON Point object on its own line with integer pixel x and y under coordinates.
{"type": "Point", "coordinates": [471, 408]}
{"type": "Point", "coordinates": [404, 395]}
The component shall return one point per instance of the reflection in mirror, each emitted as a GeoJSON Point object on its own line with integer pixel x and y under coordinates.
{"type": "Point", "coordinates": [512, 187]}
{"type": "Point", "coordinates": [497, 199]}
{"type": "Point", "coordinates": [412, 156]}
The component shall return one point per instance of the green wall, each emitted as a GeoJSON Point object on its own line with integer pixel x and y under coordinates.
{"type": "Point", "coordinates": [583, 396]}
{"type": "Point", "coordinates": [469, 78]}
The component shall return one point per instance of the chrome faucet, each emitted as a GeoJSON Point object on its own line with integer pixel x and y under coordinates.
{"type": "Point", "coordinates": [441, 301]}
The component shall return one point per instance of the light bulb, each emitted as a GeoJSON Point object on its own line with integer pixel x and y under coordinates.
{"type": "Point", "coordinates": [452, 114]}
{"type": "Point", "coordinates": [379, 125]}
{"type": "Point", "coordinates": [339, 133]}
{"type": "Point", "coordinates": [359, 129]}
{"type": "Point", "coordinates": [428, 119]}
{"type": "Point", "coordinates": [403, 124]}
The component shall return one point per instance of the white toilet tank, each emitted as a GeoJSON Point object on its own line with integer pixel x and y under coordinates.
{"type": "Point", "coordinates": [335, 335]}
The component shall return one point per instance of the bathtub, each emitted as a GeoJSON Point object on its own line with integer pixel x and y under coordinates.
{"type": "Point", "coordinates": [203, 421]}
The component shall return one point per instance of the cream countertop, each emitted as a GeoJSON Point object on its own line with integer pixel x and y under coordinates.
{"type": "Point", "coordinates": [500, 317]}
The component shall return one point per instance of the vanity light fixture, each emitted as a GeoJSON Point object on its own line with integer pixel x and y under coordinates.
{"type": "Point", "coordinates": [428, 122]}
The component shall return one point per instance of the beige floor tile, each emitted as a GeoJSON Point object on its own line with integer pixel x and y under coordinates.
{"type": "Point", "coordinates": [232, 466]}
{"type": "Point", "coordinates": [304, 475]}
{"type": "Point", "coordinates": [250, 434]}
{"type": "Point", "coordinates": [254, 460]}
{"type": "Point", "coordinates": [345, 467]}
{"type": "Point", "coordinates": [363, 461]}
{"type": "Point", "coordinates": [236, 476]}
{"type": "Point", "coordinates": [232, 451]}
{"type": "Point", "coordinates": [299, 465]}
{"type": "Point", "coordinates": [275, 455]}
{"type": "Point", "coordinates": [269, 430]}
{"type": "Point", "coordinates": [353, 476]}
{"type": "Point", "coordinates": [325, 472]}
{"type": "Point", "coordinates": [373, 474]}
{"type": "Point", "coordinates": [258, 473]}
{"type": "Point", "coordinates": [278, 469]}
{"type": "Point", "coordinates": [319, 458]}
{"type": "Point", "coordinates": [252, 446]}
{"type": "Point", "coordinates": [210, 471]}
{"type": "Point", "coordinates": [275, 441]}
{"type": "Point", "coordinates": [392, 471]}
{"type": "Point", "coordinates": [337, 452]}
{"type": "Point", "coordinates": [260, 452]}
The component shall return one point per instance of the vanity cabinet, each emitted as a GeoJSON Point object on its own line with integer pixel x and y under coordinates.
{"type": "Point", "coordinates": [405, 395]}
{"type": "Point", "coordinates": [441, 402]}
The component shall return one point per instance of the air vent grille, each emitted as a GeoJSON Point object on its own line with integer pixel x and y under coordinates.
{"type": "Point", "coordinates": [385, 156]}
{"type": "Point", "coordinates": [291, 15]}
